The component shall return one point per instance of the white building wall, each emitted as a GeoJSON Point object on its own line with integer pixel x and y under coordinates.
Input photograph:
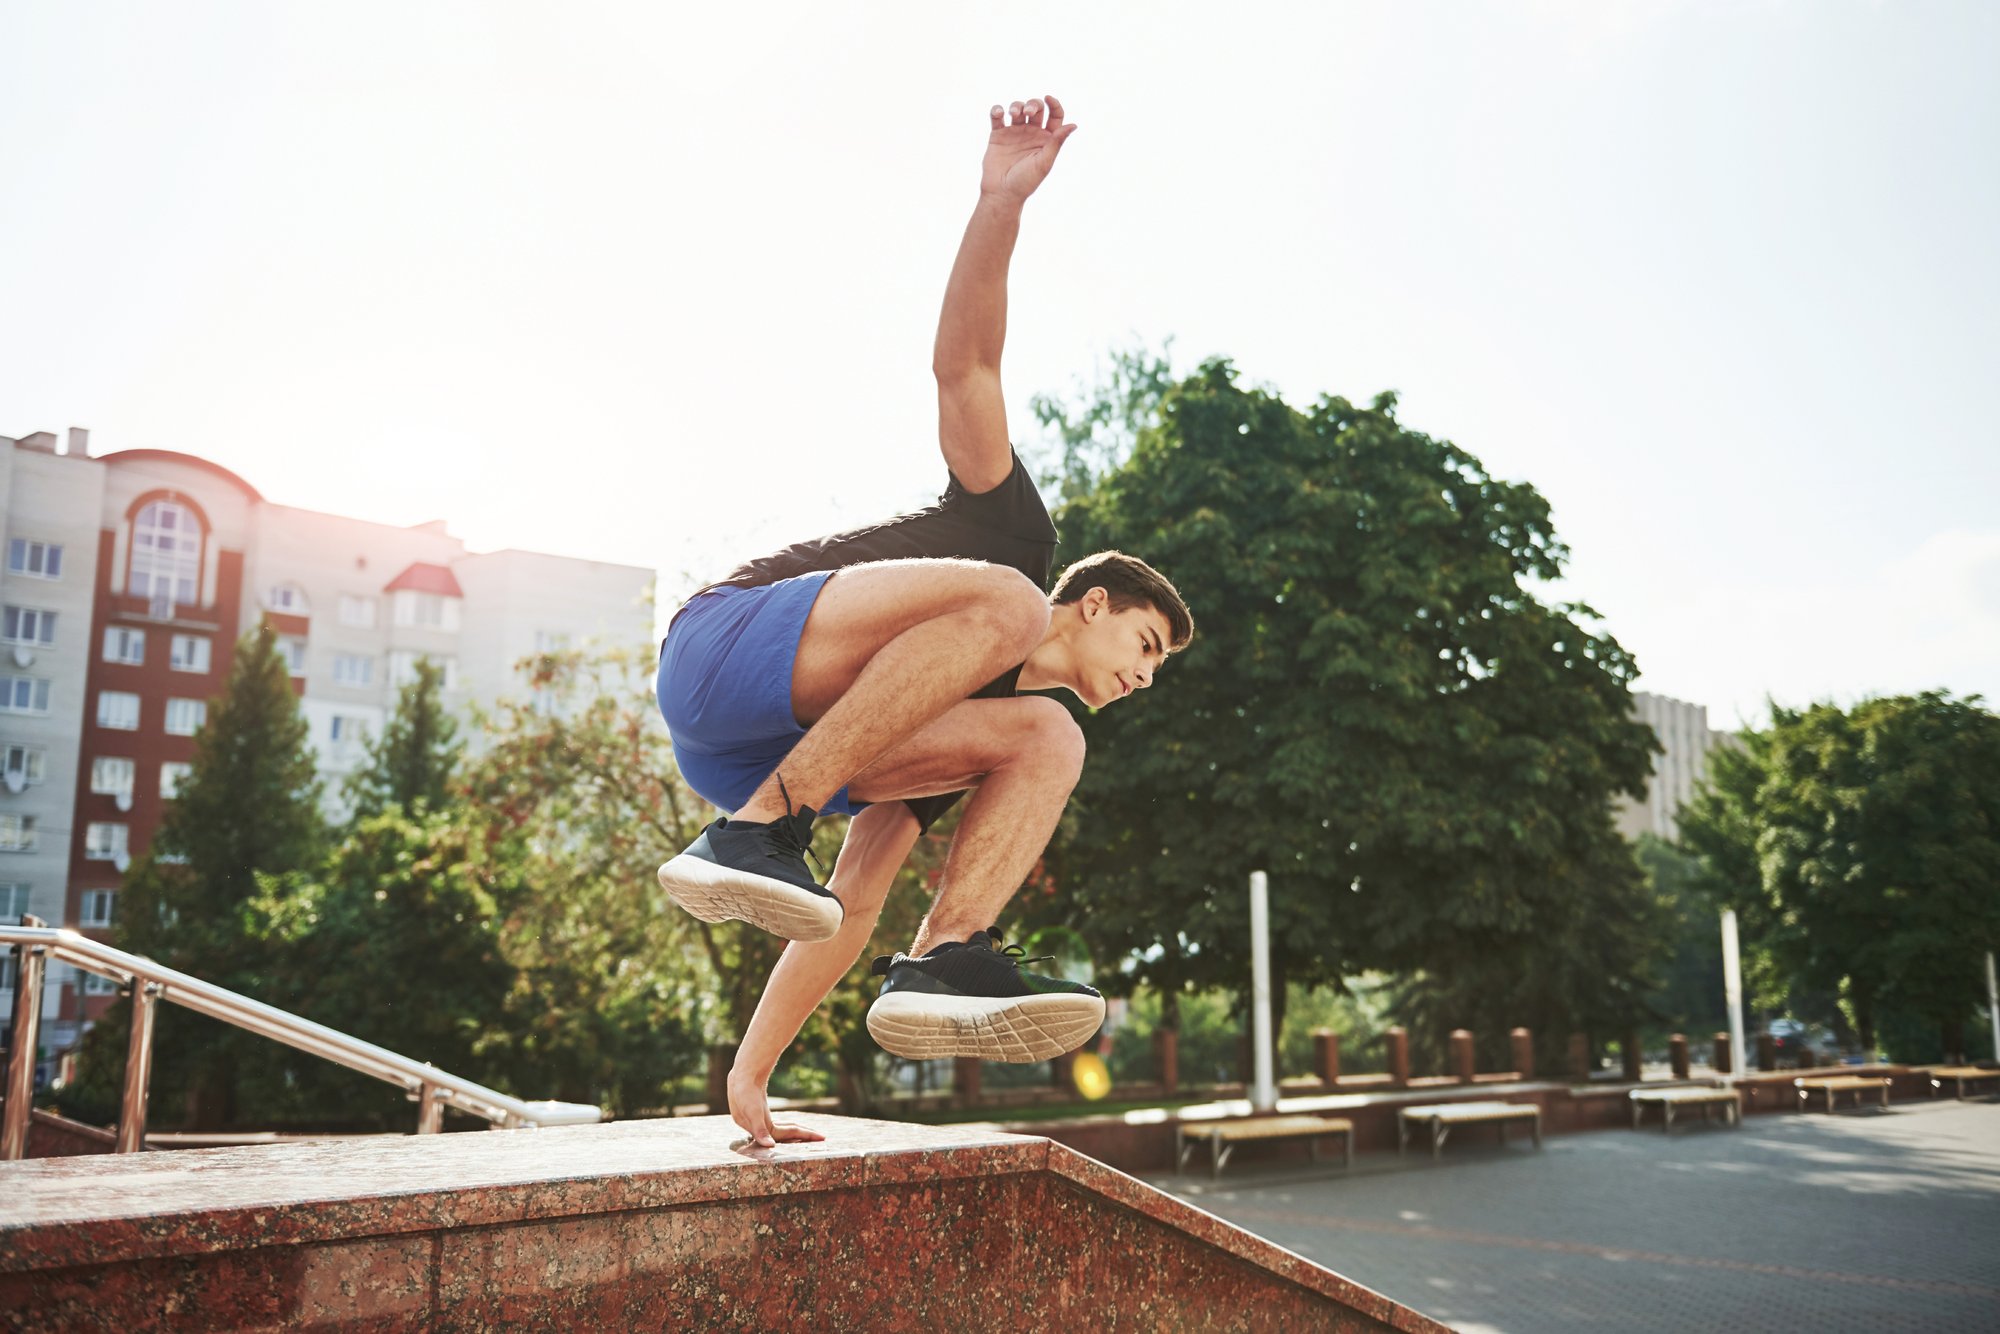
{"type": "Point", "coordinates": [1683, 731]}
{"type": "Point", "coordinates": [53, 498]}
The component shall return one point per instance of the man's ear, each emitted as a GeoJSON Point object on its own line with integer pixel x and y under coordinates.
{"type": "Point", "coordinates": [1094, 602]}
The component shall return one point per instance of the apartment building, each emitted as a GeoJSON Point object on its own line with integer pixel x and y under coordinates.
{"type": "Point", "coordinates": [1684, 732]}
{"type": "Point", "coordinates": [129, 579]}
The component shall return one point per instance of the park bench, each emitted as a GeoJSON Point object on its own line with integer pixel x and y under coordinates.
{"type": "Point", "coordinates": [1960, 1075]}
{"type": "Point", "coordinates": [1222, 1137]}
{"type": "Point", "coordinates": [1442, 1116]}
{"type": "Point", "coordinates": [1668, 1100]}
{"type": "Point", "coordinates": [1832, 1084]}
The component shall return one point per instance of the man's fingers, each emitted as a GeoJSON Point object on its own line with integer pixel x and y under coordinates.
{"type": "Point", "coordinates": [1055, 110]}
{"type": "Point", "coordinates": [999, 116]}
{"type": "Point", "coordinates": [1034, 110]}
{"type": "Point", "coordinates": [1015, 113]}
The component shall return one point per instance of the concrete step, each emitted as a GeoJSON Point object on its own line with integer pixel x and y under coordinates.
{"type": "Point", "coordinates": [643, 1224]}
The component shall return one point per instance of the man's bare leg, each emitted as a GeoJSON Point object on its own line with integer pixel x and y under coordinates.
{"type": "Point", "coordinates": [1024, 756]}
{"type": "Point", "coordinates": [888, 648]}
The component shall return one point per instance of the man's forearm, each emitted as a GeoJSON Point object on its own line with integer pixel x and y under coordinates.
{"type": "Point", "coordinates": [973, 326]}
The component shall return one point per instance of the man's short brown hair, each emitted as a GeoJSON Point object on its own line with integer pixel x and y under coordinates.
{"type": "Point", "coordinates": [1129, 582]}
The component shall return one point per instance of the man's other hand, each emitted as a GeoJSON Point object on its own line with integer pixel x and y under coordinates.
{"type": "Point", "coordinates": [750, 1109]}
{"type": "Point", "coordinates": [1026, 138]}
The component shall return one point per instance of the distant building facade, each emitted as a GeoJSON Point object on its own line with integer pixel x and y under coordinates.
{"type": "Point", "coordinates": [1684, 732]}
{"type": "Point", "coordinates": [129, 579]}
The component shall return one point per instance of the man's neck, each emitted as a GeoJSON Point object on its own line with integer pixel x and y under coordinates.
{"type": "Point", "coordinates": [1052, 664]}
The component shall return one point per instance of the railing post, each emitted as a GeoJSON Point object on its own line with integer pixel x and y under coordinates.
{"type": "Point", "coordinates": [23, 1046]}
{"type": "Point", "coordinates": [138, 1068]}
{"type": "Point", "coordinates": [430, 1110]}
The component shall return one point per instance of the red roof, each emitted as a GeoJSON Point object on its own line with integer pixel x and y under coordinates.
{"type": "Point", "coordinates": [426, 579]}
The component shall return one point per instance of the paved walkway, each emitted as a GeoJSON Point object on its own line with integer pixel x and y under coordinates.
{"type": "Point", "coordinates": [1865, 1220]}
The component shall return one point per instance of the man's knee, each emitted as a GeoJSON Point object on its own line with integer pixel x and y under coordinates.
{"type": "Point", "coordinates": [1016, 610]}
{"type": "Point", "coordinates": [1050, 736]}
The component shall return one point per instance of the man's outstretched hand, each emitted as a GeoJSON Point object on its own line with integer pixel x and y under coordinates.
{"type": "Point", "coordinates": [1026, 138]}
{"type": "Point", "coordinates": [749, 1108]}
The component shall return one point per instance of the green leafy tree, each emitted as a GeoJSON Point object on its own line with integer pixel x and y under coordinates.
{"type": "Point", "coordinates": [413, 762]}
{"type": "Point", "coordinates": [1860, 848]}
{"type": "Point", "coordinates": [396, 940]}
{"type": "Point", "coordinates": [1377, 709]}
{"type": "Point", "coordinates": [249, 807]}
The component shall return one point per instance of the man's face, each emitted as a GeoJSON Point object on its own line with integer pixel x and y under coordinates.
{"type": "Point", "coordinates": [1117, 652]}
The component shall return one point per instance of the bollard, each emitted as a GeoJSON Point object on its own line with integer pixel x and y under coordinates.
{"type": "Point", "coordinates": [965, 1079]}
{"type": "Point", "coordinates": [1461, 1054]}
{"type": "Point", "coordinates": [1635, 1070]}
{"type": "Point", "coordinates": [1062, 1071]}
{"type": "Point", "coordinates": [1723, 1065]}
{"type": "Point", "coordinates": [1523, 1043]}
{"type": "Point", "coordinates": [1398, 1039]}
{"type": "Point", "coordinates": [1579, 1056]}
{"type": "Point", "coordinates": [1167, 1045]}
{"type": "Point", "coordinates": [1326, 1055]}
{"type": "Point", "coordinates": [1677, 1053]}
{"type": "Point", "coordinates": [1767, 1052]}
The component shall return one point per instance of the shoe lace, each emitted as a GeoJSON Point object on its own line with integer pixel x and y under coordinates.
{"type": "Point", "coordinates": [793, 834]}
{"type": "Point", "coordinates": [1015, 954]}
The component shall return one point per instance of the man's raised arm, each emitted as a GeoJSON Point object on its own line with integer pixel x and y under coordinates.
{"type": "Point", "coordinates": [972, 416]}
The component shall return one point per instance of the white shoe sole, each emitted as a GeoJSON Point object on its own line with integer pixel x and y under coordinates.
{"type": "Point", "coordinates": [718, 894]}
{"type": "Point", "coordinates": [920, 1026]}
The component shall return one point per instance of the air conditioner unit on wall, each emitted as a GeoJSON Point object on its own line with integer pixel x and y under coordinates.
{"type": "Point", "coordinates": [16, 781]}
{"type": "Point", "coordinates": [23, 655]}
{"type": "Point", "coordinates": [124, 800]}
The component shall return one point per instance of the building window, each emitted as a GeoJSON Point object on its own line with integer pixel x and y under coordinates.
{"type": "Point", "coordinates": [190, 653]}
{"type": "Point", "coordinates": [94, 985]}
{"type": "Point", "coordinates": [172, 774]}
{"type": "Point", "coordinates": [353, 669]}
{"type": "Point", "coordinates": [98, 905]}
{"type": "Point", "coordinates": [17, 833]}
{"type": "Point", "coordinates": [7, 971]}
{"type": "Point", "coordinates": [111, 776]}
{"type": "Point", "coordinates": [23, 765]}
{"type": "Point", "coordinates": [185, 716]}
{"type": "Point", "coordinates": [31, 625]}
{"type": "Point", "coordinates": [24, 694]}
{"type": "Point", "coordinates": [166, 555]}
{"type": "Point", "coordinates": [13, 903]}
{"type": "Point", "coordinates": [348, 731]}
{"type": "Point", "coordinates": [118, 710]}
{"type": "Point", "coordinates": [287, 598]}
{"type": "Point", "coordinates": [403, 669]}
{"type": "Point", "coordinates": [431, 611]}
{"type": "Point", "coordinates": [40, 559]}
{"type": "Point", "coordinates": [357, 612]}
{"type": "Point", "coordinates": [105, 842]}
{"type": "Point", "coordinates": [124, 645]}
{"type": "Point", "coordinates": [293, 649]}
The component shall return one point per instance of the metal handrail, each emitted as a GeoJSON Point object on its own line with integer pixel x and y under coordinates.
{"type": "Point", "coordinates": [36, 944]}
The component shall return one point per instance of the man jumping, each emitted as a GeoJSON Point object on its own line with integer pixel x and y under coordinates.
{"type": "Point", "coordinates": [887, 692]}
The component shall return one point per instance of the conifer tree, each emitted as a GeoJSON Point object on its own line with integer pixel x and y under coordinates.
{"type": "Point", "coordinates": [249, 806]}
{"type": "Point", "coordinates": [413, 762]}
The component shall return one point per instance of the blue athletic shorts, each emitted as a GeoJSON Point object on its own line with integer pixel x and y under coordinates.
{"type": "Point", "coordinates": [725, 688]}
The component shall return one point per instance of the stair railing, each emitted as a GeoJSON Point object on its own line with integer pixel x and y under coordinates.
{"type": "Point", "coordinates": [36, 944]}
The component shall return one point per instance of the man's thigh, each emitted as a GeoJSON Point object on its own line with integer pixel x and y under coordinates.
{"type": "Point", "coordinates": [970, 741]}
{"type": "Point", "coordinates": [863, 607]}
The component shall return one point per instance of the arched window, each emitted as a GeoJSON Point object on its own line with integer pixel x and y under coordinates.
{"type": "Point", "coordinates": [166, 554]}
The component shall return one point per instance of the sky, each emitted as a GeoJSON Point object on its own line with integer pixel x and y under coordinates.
{"type": "Point", "coordinates": [657, 285]}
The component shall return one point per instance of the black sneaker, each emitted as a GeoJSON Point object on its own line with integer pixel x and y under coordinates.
{"type": "Point", "coordinates": [755, 873]}
{"type": "Point", "coordinates": [976, 1000]}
